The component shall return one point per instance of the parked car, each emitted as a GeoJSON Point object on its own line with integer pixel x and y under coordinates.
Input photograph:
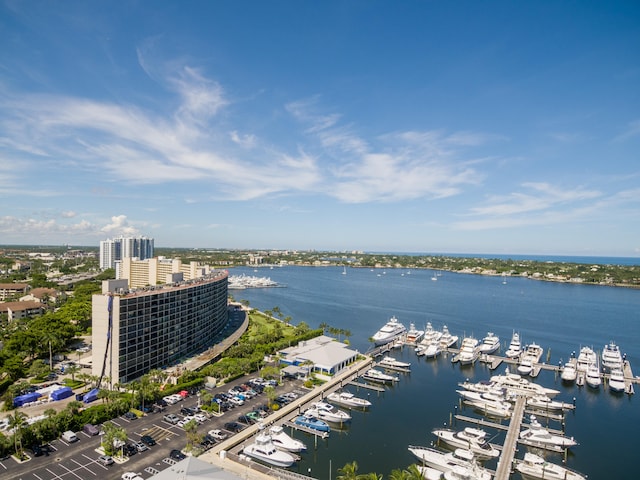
{"type": "Point", "coordinates": [140, 447]}
{"type": "Point", "coordinates": [105, 460]}
{"type": "Point", "coordinates": [69, 436]}
{"type": "Point", "coordinates": [177, 455]}
{"type": "Point", "coordinates": [37, 450]}
{"type": "Point", "coordinates": [90, 429]}
{"type": "Point", "coordinates": [233, 426]}
{"type": "Point", "coordinates": [131, 476]}
{"type": "Point", "coordinates": [148, 440]}
{"type": "Point", "coordinates": [218, 434]}
{"type": "Point", "coordinates": [129, 450]}
{"type": "Point", "coordinates": [171, 418]}
{"type": "Point", "coordinates": [130, 416]}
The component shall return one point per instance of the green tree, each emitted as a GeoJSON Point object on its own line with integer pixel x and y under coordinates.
{"type": "Point", "coordinates": [17, 422]}
{"type": "Point", "coordinates": [348, 472]}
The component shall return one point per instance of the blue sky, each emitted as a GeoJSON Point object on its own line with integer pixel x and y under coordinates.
{"type": "Point", "coordinates": [417, 126]}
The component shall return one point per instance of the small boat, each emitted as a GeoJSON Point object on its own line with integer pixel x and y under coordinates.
{"type": "Point", "coordinates": [544, 403]}
{"type": "Point", "coordinates": [473, 439]}
{"type": "Point", "coordinates": [538, 436]}
{"type": "Point", "coordinates": [569, 372]}
{"type": "Point", "coordinates": [312, 423]}
{"type": "Point", "coordinates": [374, 375]}
{"type": "Point", "coordinates": [447, 339]}
{"type": "Point", "coordinates": [264, 450]}
{"type": "Point", "coordinates": [413, 335]}
{"type": "Point", "coordinates": [468, 351]}
{"type": "Point", "coordinates": [447, 461]}
{"type": "Point", "coordinates": [585, 358]}
{"type": "Point", "coordinates": [349, 400]}
{"type": "Point", "coordinates": [593, 376]}
{"type": "Point", "coordinates": [611, 357]}
{"type": "Point", "coordinates": [490, 343]}
{"type": "Point", "coordinates": [534, 352]}
{"type": "Point", "coordinates": [391, 362]}
{"type": "Point", "coordinates": [284, 441]}
{"type": "Point", "coordinates": [327, 412]}
{"type": "Point", "coordinates": [389, 332]}
{"type": "Point", "coordinates": [515, 347]}
{"type": "Point", "coordinates": [616, 381]}
{"type": "Point", "coordinates": [398, 342]}
{"type": "Point", "coordinates": [534, 467]}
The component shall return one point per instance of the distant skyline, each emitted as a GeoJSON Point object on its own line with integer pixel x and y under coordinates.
{"type": "Point", "coordinates": [418, 126]}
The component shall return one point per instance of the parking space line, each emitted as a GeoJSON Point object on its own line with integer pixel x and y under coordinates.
{"type": "Point", "coordinates": [55, 475]}
{"type": "Point", "coordinates": [84, 467]}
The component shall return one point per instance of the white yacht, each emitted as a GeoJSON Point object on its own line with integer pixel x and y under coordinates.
{"type": "Point", "coordinates": [374, 375]}
{"type": "Point", "coordinates": [389, 332]}
{"type": "Point", "coordinates": [544, 403]}
{"type": "Point", "coordinates": [490, 343]}
{"type": "Point", "coordinates": [611, 357]}
{"type": "Point", "coordinates": [585, 358]}
{"type": "Point", "coordinates": [616, 381]}
{"type": "Point", "coordinates": [284, 441]}
{"type": "Point", "coordinates": [327, 412]}
{"type": "Point", "coordinates": [264, 449]}
{"type": "Point", "coordinates": [447, 339]}
{"type": "Point", "coordinates": [391, 362]}
{"type": "Point", "coordinates": [413, 335]}
{"type": "Point", "coordinates": [515, 347]}
{"type": "Point", "coordinates": [429, 351]}
{"type": "Point", "coordinates": [534, 352]}
{"type": "Point", "coordinates": [430, 335]}
{"type": "Point", "coordinates": [488, 403]}
{"type": "Point", "coordinates": [534, 467]}
{"type": "Point", "coordinates": [458, 472]}
{"type": "Point", "coordinates": [525, 367]}
{"type": "Point", "coordinates": [592, 376]}
{"type": "Point", "coordinates": [349, 400]}
{"type": "Point", "coordinates": [468, 351]}
{"type": "Point", "coordinates": [538, 436]}
{"type": "Point", "coordinates": [446, 462]}
{"type": "Point", "coordinates": [516, 384]}
{"type": "Point", "coordinates": [569, 372]}
{"type": "Point", "coordinates": [473, 439]}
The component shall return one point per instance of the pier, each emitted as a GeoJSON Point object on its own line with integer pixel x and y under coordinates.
{"type": "Point", "coordinates": [509, 448]}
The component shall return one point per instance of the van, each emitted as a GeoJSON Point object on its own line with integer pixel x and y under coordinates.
{"type": "Point", "coordinates": [69, 436]}
{"type": "Point", "coordinates": [91, 429]}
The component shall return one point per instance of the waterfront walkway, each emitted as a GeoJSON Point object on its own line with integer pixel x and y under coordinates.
{"type": "Point", "coordinates": [509, 448]}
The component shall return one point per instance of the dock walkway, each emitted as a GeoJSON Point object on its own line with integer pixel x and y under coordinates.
{"type": "Point", "coordinates": [509, 448]}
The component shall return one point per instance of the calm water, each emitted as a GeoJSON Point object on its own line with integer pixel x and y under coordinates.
{"type": "Point", "coordinates": [560, 317]}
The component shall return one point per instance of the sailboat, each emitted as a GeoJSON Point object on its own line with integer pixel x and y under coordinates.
{"type": "Point", "coordinates": [504, 278]}
{"type": "Point", "coordinates": [434, 277]}
{"type": "Point", "coordinates": [344, 270]}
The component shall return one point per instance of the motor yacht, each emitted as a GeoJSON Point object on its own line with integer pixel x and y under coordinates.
{"type": "Point", "coordinates": [263, 449]}
{"type": "Point", "coordinates": [284, 441]}
{"type": "Point", "coordinates": [534, 467]}
{"type": "Point", "coordinates": [348, 400]}
{"type": "Point", "coordinates": [473, 439]}
{"type": "Point", "coordinates": [327, 412]}
{"type": "Point", "coordinates": [468, 351]}
{"type": "Point", "coordinates": [490, 343]}
{"type": "Point", "coordinates": [374, 375]}
{"type": "Point", "coordinates": [429, 351]}
{"type": "Point", "coordinates": [447, 461]}
{"type": "Point", "coordinates": [592, 376]}
{"type": "Point", "coordinates": [515, 347]}
{"type": "Point", "coordinates": [490, 404]}
{"type": "Point", "coordinates": [525, 367]}
{"type": "Point", "coordinates": [458, 472]}
{"type": "Point", "coordinates": [611, 357]}
{"type": "Point", "coordinates": [312, 423]}
{"type": "Point", "coordinates": [569, 372]}
{"type": "Point", "coordinates": [533, 352]}
{"type": "Point", "coordinates": [616, 381]}
{"type": "Point", "coordinates": [389, 332]}
{"type": "Point", "coordinates": [515, 383]}
{"type": "Point", "coordinates": [447, 340]}
{"type": "Point", "coordinates": [413, 335]}
{"type": "Point", "coordinates": [544, 403]}
{"type": "Point", "coordinates": [430, 335]}
{"type": "Point", "coordinates": [391, 362]}
{"type": "Point", "coordinates": [538, 436]}
{"type": "Point", "coordinates": [585, 358]}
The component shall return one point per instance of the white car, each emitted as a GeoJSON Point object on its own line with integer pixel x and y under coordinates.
{"type": "Point", "coordinates": [131, 476]}
{"type": "Point", "coordinates": [200, 418]}
{"type": "Point", "coordinates": [236, 400]}
{"type": "Point", "coordinates": [218, 434]}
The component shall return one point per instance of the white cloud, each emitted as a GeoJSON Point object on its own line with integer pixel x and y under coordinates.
{"type": "Point", "coordinates": [119, 226]}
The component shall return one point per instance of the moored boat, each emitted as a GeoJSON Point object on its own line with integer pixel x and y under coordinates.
{"type": "Point", "coordinates": [347, 399]}
{"type": "Point", "coordinates": [447, 340]}
{"type": "Point", "coordinates": [447, 461]}
{"type": "Point", "coordinates": [374, 375]}
{"type": "Point", "coordinates": [490, 343]}
{"type": "Point", "coordinates": [264, 450]}
{"type": "Point", "coordinates": [569, 372]}
{"type": "Point", "coordinates": [538, 436]}
{"type": "Point", "coordinates": [468, 351]}
{"type": "Point", "coordinates": [391, 362]}
{"type": "Point", "coordinates": [515, 347]}
{"type": "Point", "coordinates": [473, 439]}
{"type": "Point", "coordinates": [283, 440]}
{"type": "Point", "coordinates": [413, 334]}
{"type": "Point", "coordinates": [611, 357]}
{"type": "Point", "coordinates": [592, 376]}
{"type": "Point", "coordinates": [312, 423]}
{"type": "Point", "coordinates": [327, 412]}
{"type": "Point", "coordinates": [389, 332]}
{"type": "Point", "coordinates": [534, 467]}
{"type": "Point", "coordinates": [616, 381]}
{"type": "Point", "coordinates": [585, 358]}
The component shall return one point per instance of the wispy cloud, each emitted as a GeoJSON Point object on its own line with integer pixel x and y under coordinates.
{"type": "Point", "coordinates": [632, 130]}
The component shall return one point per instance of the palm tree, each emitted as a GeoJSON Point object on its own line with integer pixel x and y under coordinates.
{"type": "Point", "coordinates": [348, 472]}
{"type": "Point", "coordinates": [72, 370]}
{"type": "Point", "coordinates": [50, 414]}
{"type": "Point", "coordinates": [414, 472]}
{"type": "Point", "coordinates": [16, 422]}
{"type": "Point", "coordinates": [398, 474]}
{"type": "Point", "coordinates": [323, 326]}
{"type": "Point", "coordinates": [370, 476]}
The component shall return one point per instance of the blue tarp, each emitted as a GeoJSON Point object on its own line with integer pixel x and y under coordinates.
{"type": "Point", "coordinates": [91, 396]}
{"type": "Point", "coordinates": [26, 398]}
{"type": "Point", "coordinates": [61, 393]}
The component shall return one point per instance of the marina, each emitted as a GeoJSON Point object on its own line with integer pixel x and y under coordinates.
{"type": "Point", "coordinates": [436, 378]}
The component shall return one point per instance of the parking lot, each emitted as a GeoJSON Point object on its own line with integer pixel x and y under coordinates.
{"type": "Point", "coordinates": [80, 460]}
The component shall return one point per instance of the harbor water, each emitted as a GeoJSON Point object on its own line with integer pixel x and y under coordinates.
{"type": "Point", "coordinates": [560, 317]}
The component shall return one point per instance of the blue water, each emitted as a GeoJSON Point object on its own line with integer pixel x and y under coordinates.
{"type": "Point", "coordinates": [560, 317]}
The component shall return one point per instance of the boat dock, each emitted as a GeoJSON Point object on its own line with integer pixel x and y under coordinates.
{"type": "Point", "coordinates": [302, 428]}
{"type": "Point", "coordinates": [368, 386]}
{"type": "Point", "coordinates": [509, 448]}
